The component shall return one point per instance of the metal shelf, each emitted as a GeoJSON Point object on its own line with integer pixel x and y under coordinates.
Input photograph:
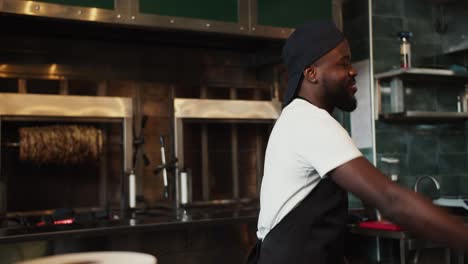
{"type": "Point", "coordinates": [421, 73]}
{"type": "Point", "coordinates": [424, 115]}
{"type": "Point", "coordinates": [396, 79]}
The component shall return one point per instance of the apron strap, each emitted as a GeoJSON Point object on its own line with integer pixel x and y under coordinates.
{"type": "Point", "coordinates": [254, 255]}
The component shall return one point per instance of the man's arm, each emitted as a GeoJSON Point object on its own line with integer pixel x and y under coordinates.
{"type": "Point", "coordinates": [400, 205]}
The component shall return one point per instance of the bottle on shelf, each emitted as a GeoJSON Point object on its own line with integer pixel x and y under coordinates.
{"type": "Point", "coordinates": [405, 49]}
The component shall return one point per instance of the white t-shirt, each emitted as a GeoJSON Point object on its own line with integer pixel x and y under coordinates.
{"type": "Point", "coordinates": [304, 145]}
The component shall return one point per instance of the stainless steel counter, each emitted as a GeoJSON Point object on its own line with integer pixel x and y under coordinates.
{"type": "Point", "coordinates": [151, 220]}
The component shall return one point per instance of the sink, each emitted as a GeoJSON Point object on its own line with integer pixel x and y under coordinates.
{"type": "Point", "coordinates": [452, 202]}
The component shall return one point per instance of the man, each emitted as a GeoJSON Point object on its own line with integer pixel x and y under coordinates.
{"type": "Point", "coordinates": [311, 163]}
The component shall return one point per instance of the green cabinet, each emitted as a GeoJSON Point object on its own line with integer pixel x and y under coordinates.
{"type": "Point", "coordinates": [225, 10]}
{"type": "Point", "coordinates": [291, 13]}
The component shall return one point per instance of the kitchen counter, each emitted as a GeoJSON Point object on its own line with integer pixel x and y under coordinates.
{"type": "Point", "coordinates": [146, 221]}
{"type": "Point", "coordinates": [408, 241]}
{"type": "Point", "coordinates": [163, 220]}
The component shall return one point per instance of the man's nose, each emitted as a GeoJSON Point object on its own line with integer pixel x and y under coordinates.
{"type": "Point", "coordinates": [352, 72]}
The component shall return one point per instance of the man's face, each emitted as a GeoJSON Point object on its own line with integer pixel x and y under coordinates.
{"type": "Point", "coordinates": [337, 77]}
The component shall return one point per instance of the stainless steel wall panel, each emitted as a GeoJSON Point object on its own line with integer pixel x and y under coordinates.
{"type": "Point", "coordinates": [226, 10]}
{"type": "Point", "coordinates": [34, 8]}
{"type": "Point", "coordinates": [181, 23]}
{"type": "Point", "coordinates": [226, 109]}
{"type": "Point", "coordinates": [64, 106]}
{"type": "Point", "coordinates": [184, 23]}
{"type": "Point", "coordinates": [128, 12]}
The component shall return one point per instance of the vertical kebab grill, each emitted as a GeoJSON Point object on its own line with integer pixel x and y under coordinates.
{"type": "Point", "coordinates": [60, 144]}
{"type": "Point", "coordinates": [65, 151]}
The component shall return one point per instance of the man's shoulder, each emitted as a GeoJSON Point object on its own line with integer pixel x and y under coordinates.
{"type": "Point", "coordinates": [303, 111]}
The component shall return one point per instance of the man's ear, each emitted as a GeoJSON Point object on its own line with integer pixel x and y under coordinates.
{"type": "Point", "coordinates": [310, 73]}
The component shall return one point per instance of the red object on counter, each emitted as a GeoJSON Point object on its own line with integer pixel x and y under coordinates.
{"type": "Point", "coordinates": [58, 222]}
{"type": "Point", "coordinates": [64, 221]}
{"type": "Point", "coordinates": [382, 225]}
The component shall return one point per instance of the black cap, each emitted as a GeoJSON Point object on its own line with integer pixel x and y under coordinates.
{"type": "Point", "coordinates": [307, 43]}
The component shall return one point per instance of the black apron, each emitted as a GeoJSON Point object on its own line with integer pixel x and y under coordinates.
{"type": "Point", "coordinates": [313, 232]}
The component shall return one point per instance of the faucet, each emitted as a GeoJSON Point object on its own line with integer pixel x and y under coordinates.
{"type": "Point", "coordinates": [420, 178]}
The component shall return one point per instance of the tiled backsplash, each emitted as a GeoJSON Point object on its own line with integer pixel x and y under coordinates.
{"type": "Point", "coordinates": [355, 28]}
{"type": "Point", "coordinates": [391, 17]}
{"type": "Point", "coordinates": [440, 148]}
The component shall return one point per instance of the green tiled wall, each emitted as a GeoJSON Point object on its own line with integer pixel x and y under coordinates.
{"type": "Point", "coordinates": [390, 17]}
{"type": "Point", "coordinates": [355, 28]}
{"type": "Point", "coordinates": [440, 148]}
{"type": "Point", "coordinates": [354, 202]}
{"type": "Point", "coordinates": [419, 17]}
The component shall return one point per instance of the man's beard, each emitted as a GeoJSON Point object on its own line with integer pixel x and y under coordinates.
{"type": "Point", "coordinates": [346, 103]}
{"type": "Point", "coordinates": [341, 99]}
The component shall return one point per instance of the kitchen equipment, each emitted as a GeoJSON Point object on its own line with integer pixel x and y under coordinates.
{"type": "Point", "coordinates": [397, 96]}
{"type": "Point", "coordinates": [71, 151]}
{"type": "Point", "coordinates": [391, 168]}
{"type": "Point", "coordinates": [463, 100]}
{"type": "Point", "coordinates": [238, 128]}
{"type": "Point", "coordinates": [382, 225]}
{"type": "Point", "coordinates": [60, 144]}
{"type": "Point", "coordinates": [405, 49]}
{"type": "Point", "coordinates": [60, 216]}
{"type": "Point", "coordinates": [185, 186]}
{"type": "Point", "coordinates": [164, 169]}
{"type": "Point", "coordinates": [138, 146]}
{"type": "Point", "coordinates": [131, 190]}
{"type": "Point", "coordinates": [426, 177]}
{"type": "Point", "coordinates": [452, 202]}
